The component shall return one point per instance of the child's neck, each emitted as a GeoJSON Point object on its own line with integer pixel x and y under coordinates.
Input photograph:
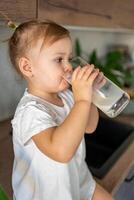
{"type": "Point", "coordinates": [50, 97]}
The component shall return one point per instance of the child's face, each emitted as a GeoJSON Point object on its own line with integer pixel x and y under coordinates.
{"type": "Point", "coordinates": [50, 64]}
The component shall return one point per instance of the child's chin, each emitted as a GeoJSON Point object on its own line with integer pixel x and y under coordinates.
{"type": "Point", "coordinates": [64, 86]}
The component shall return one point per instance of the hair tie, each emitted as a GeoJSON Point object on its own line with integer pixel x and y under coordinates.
{"type": "Point", "coordinates": [9, 23]}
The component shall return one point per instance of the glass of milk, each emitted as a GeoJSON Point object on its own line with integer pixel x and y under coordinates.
{"type": "Point", "coordinates": [109, 98]}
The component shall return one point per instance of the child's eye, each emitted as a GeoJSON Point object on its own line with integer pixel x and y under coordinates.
{"type": "Point", "coordinates": [59, 60]}
{"type": "Point", "coordinates": [70, 59]}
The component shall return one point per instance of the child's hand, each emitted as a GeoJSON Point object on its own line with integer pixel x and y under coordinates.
{"type": "Point", "coordinates": [99, 81]}
{"type": "Point", "coordinates": [82, 82]}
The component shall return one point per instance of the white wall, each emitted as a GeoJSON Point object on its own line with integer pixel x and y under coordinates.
{"type": "Point", "coordinates": [11, 85]}
{"type": "Point", "coordinates": [100, 39]}
{"type": "Point", "coordinates": [91, 40]}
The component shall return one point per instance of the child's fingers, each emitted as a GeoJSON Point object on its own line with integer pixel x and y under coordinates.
{"type": "Point", "coordinates": [99, 78]}
{"type": "Point", "coordinates": [88, 72]}
{"type": "Point", "coordinates": [75, 73]}
{"type": "Point", "coordinates": [79, 72]}
{"type": "Point", "coordinates": [93, 76]}
{"type": "Point", "coordinates": [99, 81]}
{"type": "Point", "coordinates": [102, 83]}
{"type": "Point", "coordinates": [82, 72]}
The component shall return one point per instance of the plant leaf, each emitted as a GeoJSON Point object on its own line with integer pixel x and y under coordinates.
{"type": "Point", "coordinates": [78, 50]}
{"type": "Point", "coordinates": [3, 195]}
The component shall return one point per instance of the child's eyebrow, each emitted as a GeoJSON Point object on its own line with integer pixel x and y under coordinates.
{"type": "Point", "coordinates": [62, 53]}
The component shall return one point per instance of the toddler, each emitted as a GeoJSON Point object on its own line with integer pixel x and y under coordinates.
{"type": "Point", "coordinates": [50, 120]}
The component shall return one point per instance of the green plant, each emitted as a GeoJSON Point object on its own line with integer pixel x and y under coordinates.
{"type": "Point", "coordinates": [111, 65]}
{"type": "Point", "coordinates": [78, 49]}
{"type": "Point", "coordinates": [3, 195]}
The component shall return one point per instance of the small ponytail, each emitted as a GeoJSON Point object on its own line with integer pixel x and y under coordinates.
{"type": "Point", "coordinates": [9, 22]}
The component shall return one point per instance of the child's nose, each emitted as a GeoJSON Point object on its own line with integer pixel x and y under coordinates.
{"type": "Point", "coordinates": [68, 67]}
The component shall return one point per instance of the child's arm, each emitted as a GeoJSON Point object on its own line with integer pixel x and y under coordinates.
{"type": "Point", "coordinates": [94, 114]}
{"type": "Point", "coordinates": [60, 143]}
{"type": "Point", "coordinates": [93, 119]}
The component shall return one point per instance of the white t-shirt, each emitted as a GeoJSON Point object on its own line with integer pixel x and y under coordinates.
{"type": "Point", "coordinates": [35, 175]}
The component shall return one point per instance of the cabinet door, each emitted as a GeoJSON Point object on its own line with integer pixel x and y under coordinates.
{"type": "Point", "coordinates": [93, 13]}
{"type": "Point", "coordinates": [19, 10]}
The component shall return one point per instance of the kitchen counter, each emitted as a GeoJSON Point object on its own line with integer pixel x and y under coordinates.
{"type": "Point", "coordinates": [112, 180]}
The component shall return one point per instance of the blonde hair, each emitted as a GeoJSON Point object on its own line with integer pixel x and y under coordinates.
{"type": "Point", "coordinates": [27, 34]}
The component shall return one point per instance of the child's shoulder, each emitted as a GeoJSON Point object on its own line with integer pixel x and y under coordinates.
{"type": "Point", "coordinates": [30, 103]}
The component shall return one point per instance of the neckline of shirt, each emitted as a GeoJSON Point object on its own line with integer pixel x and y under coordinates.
{"type": "Point", "coordinates": [43, 100]}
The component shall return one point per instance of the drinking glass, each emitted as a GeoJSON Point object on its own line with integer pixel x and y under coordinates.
{"type": "Point", "coordinates": [109, 98]}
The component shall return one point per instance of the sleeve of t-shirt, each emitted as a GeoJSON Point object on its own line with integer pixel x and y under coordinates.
{"type": "Point", "coordinates": [31, 122]}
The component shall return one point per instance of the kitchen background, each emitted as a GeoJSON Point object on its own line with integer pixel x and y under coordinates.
{"type": "Point", "coordinates": [98, 27]}
{"type": "Point", "coordinates": [12, 85]}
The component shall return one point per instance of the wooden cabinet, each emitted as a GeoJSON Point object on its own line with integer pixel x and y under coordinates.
{"type": "Point", "coordinates": [93, 13]}
{"type": "Point", "coordinates": [19, 10]}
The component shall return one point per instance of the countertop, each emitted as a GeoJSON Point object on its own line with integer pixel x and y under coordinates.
{"type": "Point", "coordinates": [112, 180]}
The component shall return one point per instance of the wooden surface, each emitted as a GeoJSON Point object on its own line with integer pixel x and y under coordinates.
{"type": "Point", "coordinates": [95, 13]}
{"type": "Point", "coordinates": [91, 13]}
{"type": "Point", "coordinates": [120, 169]}
{"type": "Point", "coordinates": [6, 157]}
{"type": "Point", "coordinates": [19, 10]}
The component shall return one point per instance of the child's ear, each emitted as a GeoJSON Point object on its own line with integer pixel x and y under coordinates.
{"type": "Point", "coordinates": [25, 67]}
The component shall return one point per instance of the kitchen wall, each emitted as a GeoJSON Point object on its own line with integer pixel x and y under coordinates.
{"type": "Point", "coordinates": [12, 86]}
{"type": "Point", "coordinates": [100, 39]}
